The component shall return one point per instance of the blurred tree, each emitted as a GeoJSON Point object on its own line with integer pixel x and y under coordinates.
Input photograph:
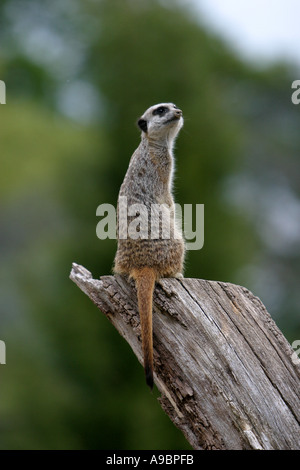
{"type": "Point", "coordinates": [70, 382]}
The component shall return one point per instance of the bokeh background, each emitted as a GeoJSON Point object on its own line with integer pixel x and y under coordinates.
{"type": "Point", "coordinates": [78, 73]}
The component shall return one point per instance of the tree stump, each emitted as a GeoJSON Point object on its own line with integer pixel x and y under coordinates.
{"type": "Point", "coordinates": [223, 368]}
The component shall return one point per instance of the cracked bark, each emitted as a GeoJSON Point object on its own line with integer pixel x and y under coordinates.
{"type": "Point", "coordinates": [223, 368]}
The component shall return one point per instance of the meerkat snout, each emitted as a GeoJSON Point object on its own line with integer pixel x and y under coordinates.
{"type": "Point", "coordinates": [178, 113]}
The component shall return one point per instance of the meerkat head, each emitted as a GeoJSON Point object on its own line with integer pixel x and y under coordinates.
{"type": "Point", "coordinates": [161, 123]}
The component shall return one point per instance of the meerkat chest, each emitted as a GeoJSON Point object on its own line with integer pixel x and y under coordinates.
{"type": "Point", "coordinates": [162, 166]}
{"type": "Point", "coordinates": [149, 177]}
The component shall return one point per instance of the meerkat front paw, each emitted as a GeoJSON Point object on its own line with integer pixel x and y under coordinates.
{"type": "Point", "coordinates": [178, 275]}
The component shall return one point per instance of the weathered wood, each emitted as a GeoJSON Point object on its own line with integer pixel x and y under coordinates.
{"type": "Point", "coordinates": [222, 366]}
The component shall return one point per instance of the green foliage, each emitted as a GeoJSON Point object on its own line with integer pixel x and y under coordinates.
{"type": "Point", "coordinates": [70, 380]}
{"type": "Point", "coordinates": [152, 54]}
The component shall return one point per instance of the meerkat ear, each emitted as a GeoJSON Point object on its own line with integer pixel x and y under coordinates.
{"type": "Point", "coordinates": [142, 123]}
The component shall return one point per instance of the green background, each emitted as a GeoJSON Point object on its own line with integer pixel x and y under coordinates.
{"type": "Point", "coordinates": [78, 74]}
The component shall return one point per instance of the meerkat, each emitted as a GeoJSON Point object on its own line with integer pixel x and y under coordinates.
{"type": "Point", "coordinates": [157, 252]}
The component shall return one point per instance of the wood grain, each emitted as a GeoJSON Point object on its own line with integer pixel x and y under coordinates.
{"type": "Point", "coordinates": [222, 366]}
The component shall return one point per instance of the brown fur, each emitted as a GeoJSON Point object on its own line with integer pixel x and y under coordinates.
{"type": "Point", "coordinates": [149, 181]}
{"type": "Point", "coordinates": [145, 280]}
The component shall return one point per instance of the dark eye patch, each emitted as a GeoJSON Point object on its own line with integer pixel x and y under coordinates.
{"type": "Point", "coordinates": [160, 111]}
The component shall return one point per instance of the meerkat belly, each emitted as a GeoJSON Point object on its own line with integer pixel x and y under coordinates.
{"type": "Point", "coordinates": [165, 256]}
{"type": "Point", "coordinates": [152, 236]}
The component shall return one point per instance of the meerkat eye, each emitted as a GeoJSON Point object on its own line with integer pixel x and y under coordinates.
{"type": "Point", "coordinates": [160, 111]}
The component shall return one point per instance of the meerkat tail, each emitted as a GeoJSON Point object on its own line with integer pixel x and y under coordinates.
{"type": "Point", "coordinates": [145, 281]}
